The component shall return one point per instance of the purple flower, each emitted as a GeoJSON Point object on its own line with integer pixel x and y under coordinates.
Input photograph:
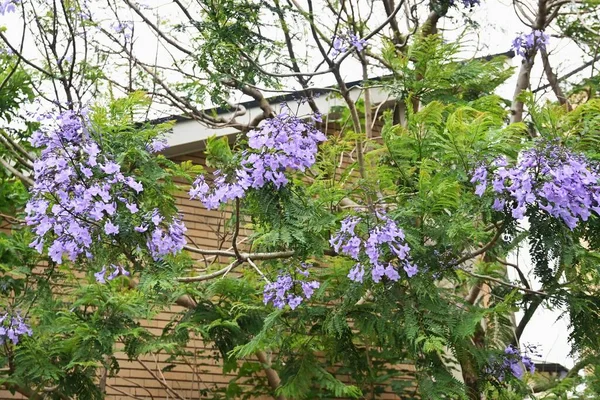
{"type": "Point", "coordinates": [110, 168]}
{"type": "Point", "coordinates": [467, 3]}
{"type": "Point", "coordinates": [163, 242]}
{"type": "Point", "coordinates": [156, 217]}
{"type": "Point", "coordinates": [294, 301]}
{"type": "Point", "coordinates": [100, 275]}
{"type": "Point", "coordinates": [524, 44]}
{"type": "Point", "coordinates": [282, 291]}
{"type": "Point", "coordinates": [550, 178]}
{"type": "Point", "coordinates": [357, 273]}
{"type": "Point", "coordinates": [411, 270]}
{"type": "Point", "coordinates": [385, 249]}
{"type": "Point", "coordinates": [338, 46]}
{"type": "Point", "coordinates": [137, 186]}
{"type": "Point", "coordinates": [12, 328]}
{"type": "Point", "coordinates": [110, 228]}
{"type": "Point", "coordinates": [117, 270]}
{"type": "Point", "coordinates": [283, 143]}
{"type": "Point", "coordinates": [157, 145]}
{"type": "Point", "coordinates": [480, 176]}
{"type": "Point", "coordinates": [357, 42]}
{"type": "Point", "coordinates": [7, 6]}
{"type": "Point", "coordinates": [308, 288]}
{"type": "Point", "coordinates": [498, 205]}
{"type": "Point", "coordinates": [513, 361]}
{"type": "Point", "coordinates": [141, 228]}
{"type": "Point", "coordinates": [56, 251]}
{"type": "Point", "coordinates": [352, 247]}
{"type": "Point", "coordinates": [132, 207]}
{"type": "Point", "coordinates": [124, 27]}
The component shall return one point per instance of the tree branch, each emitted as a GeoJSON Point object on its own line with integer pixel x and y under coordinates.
{"type": "Point", "coordinates": [27, 181]}
{"type": "Point", "coordinates": [553, 81]}
{"type": "Point", "coordinates": [480, 251]}
{"type": "Point", "coordinates": [504, 283]}
{"type": "Point", "coordinates": [570, 74]}
{"type": "Point", "coordinates": [207, 277]}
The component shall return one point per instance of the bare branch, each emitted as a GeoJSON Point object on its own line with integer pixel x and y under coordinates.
{"type": "Point", "coordinates": [553, 81]}
{"type": "Point", "coordinates": [272, 376]}
{"type": "Point", "coordinates": [480, 251]}
{"type": "Point", "coordinates": [519, 272]}
{"type": "Point", "coordinates": [570, 74]}
{"type": "Point", "coordinates": [243, 256]}
{"type": "Point", "coordinates": [504, 283]}
{"type": "Point", "coordinates": [26, 180]}
{"type": "Point", "coordinates": [211, 275]}
{"type": "Point", "coordinates": [157, 30]}
{"type": "Point", "coordinates": [258, 270]}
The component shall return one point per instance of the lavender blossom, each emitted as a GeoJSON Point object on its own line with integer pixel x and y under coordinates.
{"type": "Point", "coordinates": [100, 275]}
{"type": "Point", "coordinates": [117, 270]}
{"type": "Point", "coordinates": [78, 190]}
{"type": "Point", "coordinates": [341, 43]}
{"type": "Point", "coordinates": [12, 328]}
{"type": "Point", "coordinates": [356, 42]}
{"type": "Point", "coordinates": [357, 273]}
{"type": "Point", "coordinates": [8, 6]}
{"type": "Point", "coordinates": [282, 143]}
{"type": "Point", "coordinates": [124, 27]}
{"type": "Point", "coordinates": [513, 361]}
{"type": "Point", "coordinates": [282, 292]}
{"type": "Point", "coordinates": [550, 178]}
{"type": "Point", "coordinates": [384, 250]}
{"type": "Point", "coordinates": [157, 145]}
{"type": "Point", "coordinates": [338, 46]}
{"type": "Point", "coordinates": [467, 3]}
{"type": "Point", "coordinates": [525, 44]}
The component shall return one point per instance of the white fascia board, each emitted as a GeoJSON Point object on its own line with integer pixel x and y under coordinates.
{"type": "Point", "coordinates": [190, 136]}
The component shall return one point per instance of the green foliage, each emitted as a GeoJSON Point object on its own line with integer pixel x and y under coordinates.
{"type": "Point", "coordinates": [15, 86]}
{"type": "Point", "coordinates": [431, 71]}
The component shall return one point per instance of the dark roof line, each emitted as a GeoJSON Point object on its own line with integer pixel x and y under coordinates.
{"type": "Point", "coordinates": [550, 367]}
{"type": "Point", "coordinates": [298, 94]}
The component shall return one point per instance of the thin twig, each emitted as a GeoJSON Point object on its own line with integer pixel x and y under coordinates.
{"type": "Point", "coordinates": [504, 283]}
{"type": "Point", "coordinates": [243, 256]}
{"type": "Point", "coordinates": [480, 251]}
{"type": "Point", "coordinates": [237, 229]}
{"type": "Point", "coordinates": [207, 277]}
{"type": "Point", "coordinates": [258, 270]}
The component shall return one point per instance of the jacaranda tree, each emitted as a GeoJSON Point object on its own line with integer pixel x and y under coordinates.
{"type": "Point", "coordinates": [397, 255]}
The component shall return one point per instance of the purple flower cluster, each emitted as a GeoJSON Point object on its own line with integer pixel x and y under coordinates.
{"type": "Point", "coordinates": [124, 27]}
{"type": "Point", "coordinates": [514, 362]}
{"type": "Point", "coordinates": [342, 43]}
{"type": "Point", "coordinates": [467, 3]}
{"type": "Point", "coordinates": [535, 40]}
{"type": "Point", "coordinates": [280, 144]}
{"type": "Point", "coordinates": [549, 177]}
{"type": "Point", "coordinates": [283, 290]}
{"type": "Point", "coordinates": [12, 327]}
{"type": "Point", "coordinates": [157, 145]}
{"type": "Point", "coordinates": [80, 193]}
{"type": "Point", "coordinates": [8, 6]}
{"type": "Point", "coordinates": [384, 240]}
{"type": "Point", "coordinates": [117, 270]}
